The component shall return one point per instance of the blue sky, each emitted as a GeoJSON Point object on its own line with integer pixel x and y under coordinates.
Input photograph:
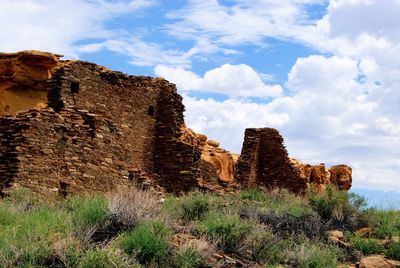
{"type": "Point", "coordinates": [325, 73]}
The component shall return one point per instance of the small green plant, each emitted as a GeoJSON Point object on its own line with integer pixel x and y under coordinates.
{"type": "Point", "coordinates": [148, 241]}
{"type": "Point", "coordinates": [366, 245]}
{"type": "Point", "coordinates": [28, 240]}
{"type": "Point", "coordinates": [187, 257]}
{"type": "Point", "coordinates": [393, 251]}
{"type": "Point", "coordinates": [89, 212]}
{"type": "Point", "coordinates": [339, 207]}
{"type": "Point", "coordinates": [101, 258]}
{"type": "Point", "coordinates": [229, 229]}
{"type": "Point", "coordinates": [194, 206]}
{"type": "Point", "coordinates": [385, 223]}
{"type": "Point", "coordinates": [252, 194]}
{"type": "Point", "coordinates": [313, 255]}
{"type": "Point", "coordinates": [264, 246]}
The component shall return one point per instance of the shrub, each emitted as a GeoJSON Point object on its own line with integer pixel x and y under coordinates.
{"type": "Point", "coordinates": [287, 225]}
{"type": "Point", "coordinates": [340, 208]}
{"type": "Point", "coordinates": [148, 241]}
{"type": "Point", "coordinates": [193, 206]}
{"type": "Point", "coordinates": [313, 255]}
{"type": "Point", "coordinates": [264, 246]}
{"type": "Point", "coordinates": [187, 257]}
{"type": "Point", "coordinates": [385, 223]}
{"type": "Point", "coordinates": [393, 251]}
{"type": "Point", "coordinates": [28, 241]}
{"type": "Point", "coordinates": [366, 245]}
{"type": "Point", "coordinates": [101, 258]}
{"type": "Point", "coordinates": [229, 229]}
{"type": "Point", "coordinates": [252, 194]}
{"type": "Point", "coordinates": [132, 206]}
{"type": "Point", "coordinates": [281, 201]}
{"type": "Point", "coordinates": [89, 212]}
{"type": "Point", "coordinates": [7, 215]}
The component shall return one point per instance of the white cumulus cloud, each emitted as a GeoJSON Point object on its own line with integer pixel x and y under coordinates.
{"type": "Point", "coordinates": [232, 80]}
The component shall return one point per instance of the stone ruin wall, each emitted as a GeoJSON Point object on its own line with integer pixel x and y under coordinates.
{"type": "Point", "coordinates": [264, 161]}
{"type": "Point", "coordinates": [101, 129]}
{"type": "Point", "coordinates": [97, 129]}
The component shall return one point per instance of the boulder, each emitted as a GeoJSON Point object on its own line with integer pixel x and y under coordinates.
{"type": "Point", "coordinates": [378, 261]}
{"type": "Point", "coordinates": [22, 80]}
{"type": "Point", "coordinates": [217, 164]}
{"type": "Point", "coordinates": [27, 67]}
{"type": "Point", "coordinates": [341, 176]}
{"type": "Point", "coordinates": [212, 143]}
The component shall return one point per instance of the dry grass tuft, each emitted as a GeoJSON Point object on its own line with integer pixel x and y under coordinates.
{"type": "Point", "coordinates": [132, 206]}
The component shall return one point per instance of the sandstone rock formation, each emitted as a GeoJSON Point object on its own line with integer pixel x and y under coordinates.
{"type": "Point", "coordinates": [22, 80]}
{"type": "Point", "coordinates": [217, 164]}
{"type": "Point", "coordinates": [378, 261]}
{"type": "Point", "coordinates": [72, 127]}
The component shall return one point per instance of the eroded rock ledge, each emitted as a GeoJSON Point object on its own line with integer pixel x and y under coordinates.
{"type": "Point", "coordinates": [74, 127]}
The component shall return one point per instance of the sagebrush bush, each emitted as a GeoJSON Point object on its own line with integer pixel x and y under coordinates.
{"type": "Point", "coordinates": [385, 223]}
{"type": "Point", "coordinates": [310, 254]}
{"type": "Point", "coordinates": [147, 242]}
{"type": "Point", "coordinates": [340, 208]}
{"type": "Point", "coordinates": [264, 246]}
{"type": "Point", "coordinates": [287, 225]}
{"type": "Point", "coordinates": [187, 257]}
{"type": "Point", "coordinates": [103, 258]}
{"type": "Point", "coordinates": [230, 230]}
{"type": "Point", "coordinates": [193, 206]}
{"type": "Point", "coordinates": [133, 206]}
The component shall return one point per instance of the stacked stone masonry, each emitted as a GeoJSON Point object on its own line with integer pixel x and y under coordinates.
{"type": "Point", "coordinates": [264, 161]}
{"type": "Point", "coordinates": [75, 127]}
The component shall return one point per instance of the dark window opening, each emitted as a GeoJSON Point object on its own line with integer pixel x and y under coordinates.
{"type": "Point", "coordinates": [74, 86]}
{"type": "Point", "coordinates": [150, 111]}
{"type": "Point", "coordinates": [131, 176]}
{"type": "Point", "coordinates": [63, 189]}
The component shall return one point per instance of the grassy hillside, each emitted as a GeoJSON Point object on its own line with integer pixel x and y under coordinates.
{"type": "Point", "coordinates": [133, 228]}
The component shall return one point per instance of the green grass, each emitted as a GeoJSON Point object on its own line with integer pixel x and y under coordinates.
{"type": "Point", "coordinates": [229, 229]}
{"type": "Point", "coordinates": [255, 226]}
{"type": "Point", "coordinates": [314, 255]}
{"type": "Point", "coordinates": [367, 245]}
{"type": "Point", "coordinates": [89, 212]}
{"type": "Point", "coordinates": [188, 257]}
{"type": "Point", "coordinates": [385, 223]}
{"type": "Point", "coordinates": [146, 242]}
{"type": "Point", "coordinates": [393, 251]}
{"type": "Point", "coordinates": [193, 206]}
